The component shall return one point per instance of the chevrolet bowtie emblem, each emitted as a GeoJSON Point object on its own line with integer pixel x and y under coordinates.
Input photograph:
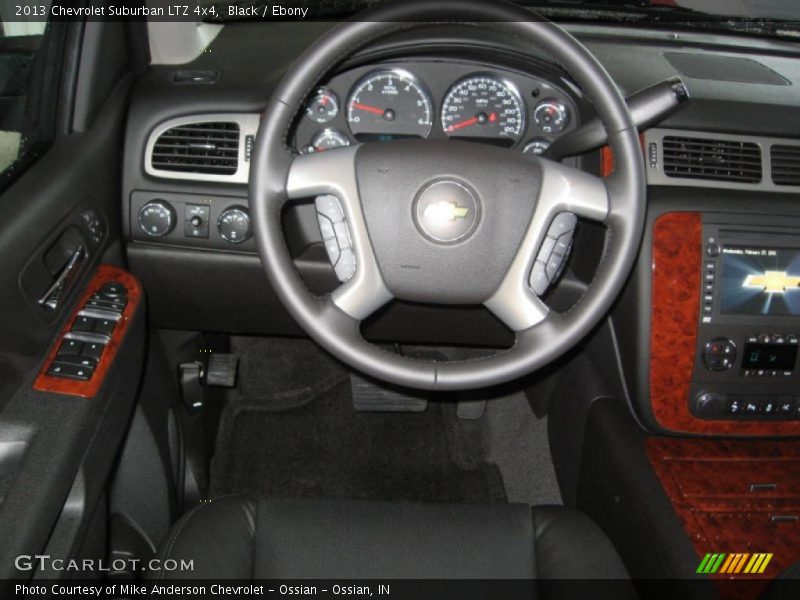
{"type": "Point", "coordinates": [773, 282]}
{"type": "Point", "coordinates": [446, 211]}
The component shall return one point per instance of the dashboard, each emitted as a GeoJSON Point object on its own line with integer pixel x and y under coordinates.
{"type": "Point", "coordinates": [436, 99]}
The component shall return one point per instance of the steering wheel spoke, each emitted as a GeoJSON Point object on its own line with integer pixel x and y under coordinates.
{"type": "Point", "coordinates": [566, 193]}
{"type": "Point", "coordinates": [330, 177]}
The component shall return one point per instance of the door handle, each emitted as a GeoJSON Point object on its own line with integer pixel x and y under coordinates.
{"type": "Point", "coordinates": [55, 292]}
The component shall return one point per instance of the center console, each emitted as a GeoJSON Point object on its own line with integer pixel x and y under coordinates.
{"type": "Point", "coordinates": [748, 323]}
{"type": "Point", "coordinates": [725, 328]}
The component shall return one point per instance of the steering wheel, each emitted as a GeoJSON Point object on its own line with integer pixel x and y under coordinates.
{"type": "Point", "coordinates": [445, 222]}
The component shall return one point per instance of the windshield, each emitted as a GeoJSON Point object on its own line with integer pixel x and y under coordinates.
{"type": "Point", "coordinates": [780, 18]}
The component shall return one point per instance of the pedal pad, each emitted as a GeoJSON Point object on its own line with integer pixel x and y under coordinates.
{"type": "Point", "coordinates": [221, 371]}
{"type": "Point", "coordinates": [371, 397]}
{"type": "Point", "coordinates": [470, 410]}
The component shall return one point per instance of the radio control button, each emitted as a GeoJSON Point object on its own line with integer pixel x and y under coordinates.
{"type": "Point", "coordinates": [770, 406]}
{"type": "Point", "coordinates": [753, 406]}
{"type": "Point", "coordinates": [734, 406]}
{"type": "Point", "coordinates": [786, 406]}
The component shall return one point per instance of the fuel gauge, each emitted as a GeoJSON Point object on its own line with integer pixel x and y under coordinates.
{"type": "Point", "coordinates": [536, 146]}
{"type": "Point", "coordinates": [328, 139]}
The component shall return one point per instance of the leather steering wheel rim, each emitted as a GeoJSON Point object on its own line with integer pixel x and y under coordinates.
{"type": "Point", "coordinates": [273, 177]}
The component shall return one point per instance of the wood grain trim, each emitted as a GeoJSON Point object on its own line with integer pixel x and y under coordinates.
{"type": "Point", "coordinates": [718, 521]}
{"type": "Point", "coordinates": [677, 243]}
{"type": "Point", "coordinates": [677, 265]}
{"type": "Point", "coordinates": [88, 389]}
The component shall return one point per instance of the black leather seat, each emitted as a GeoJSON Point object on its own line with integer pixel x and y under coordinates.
{"type": "Point", "coordinates": [338, 539]}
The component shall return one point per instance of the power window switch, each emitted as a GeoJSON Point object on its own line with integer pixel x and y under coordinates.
{"type": "Point", "coordinates": [60, 369]}
{"type": "Point", "coordinates": [70, 348]}
{"type": "Point", "coordinates": [93, 350]}
{"type": "Point", "coordinates": [83, 323]}
{"type": "Point", "coordinates": [104, 326]}
{"type": "Point", "coordinates": [79, 361]}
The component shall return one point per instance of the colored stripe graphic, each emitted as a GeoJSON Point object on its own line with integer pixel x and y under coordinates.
{"type": "Point", "coordinates": [735, 563]}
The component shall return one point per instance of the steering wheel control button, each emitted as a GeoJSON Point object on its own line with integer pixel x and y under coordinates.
{"type": "Point", "coordinates": [552, 257]}
{"type": "Point", "coordinates": [563, 223]}
{"type": "Point", "coordinates": [325, 227]}
{"type": "Point", "coordinates": [346, 266]}
{"type": "Point", "coordinates": [157, 218]}
{"type": "Point", "coordinates": [234, 225]}
{"type": "Point", "coordinates": [446, 211]}
{"type": "Point", "coordinates": [329, 207]}
{"type": "Point", "coordinates": [332, 248]}
{"type": "Point", "coordinates": [336, 237]}
{"type": "Point", "coordinates": [539, 281]}
{"type": "Point", "coordinates": [342, 235]}
{"type": "Point", "coordinates": [719, 354]}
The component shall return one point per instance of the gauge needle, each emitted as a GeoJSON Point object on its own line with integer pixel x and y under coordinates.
{"type": "Point", "coordinates": [371, 109]}
{"type": "Point", "coordinates": [472, 121]}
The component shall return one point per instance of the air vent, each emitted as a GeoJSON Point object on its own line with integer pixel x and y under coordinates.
{"type": "Point", "coordinates": [785, 165]}
{"type": "Point", "coordinates": [206, 147]}
{"type": "Point", "coordinates": [720, 160]}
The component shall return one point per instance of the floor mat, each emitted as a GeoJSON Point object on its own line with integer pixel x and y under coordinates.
{"type": "Point", "coordinates": [325, 448]}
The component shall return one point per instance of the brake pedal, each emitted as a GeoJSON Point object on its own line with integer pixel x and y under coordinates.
{"type": "Point", "coordinates": [371, 397]}
{"type": "Point", "coordinates": [221, 371]}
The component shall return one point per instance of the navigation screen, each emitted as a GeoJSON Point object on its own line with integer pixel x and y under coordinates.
{"type": "Point", "coordinates": [761, 281]}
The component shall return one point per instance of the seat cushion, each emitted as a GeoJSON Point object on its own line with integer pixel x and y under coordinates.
{"type": "Point", "coordinates": [276, 538]}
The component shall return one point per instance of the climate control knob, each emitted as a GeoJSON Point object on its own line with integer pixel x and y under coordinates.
{"type": "Point", "coordinates": [719, 354]}
{"type": "Point", "coordinates": [157, 218]}
{"type": "Point", "coordinates": [234, 224]}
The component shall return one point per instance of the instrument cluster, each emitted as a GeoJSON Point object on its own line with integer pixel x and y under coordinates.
{"type": "Point", "coordinates": [435, 99]}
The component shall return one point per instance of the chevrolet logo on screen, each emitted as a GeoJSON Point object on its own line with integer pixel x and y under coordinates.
{"type": "Point", "coordinates": [773, 282]}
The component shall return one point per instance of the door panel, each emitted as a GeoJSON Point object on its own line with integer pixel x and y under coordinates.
{"type": "Point", "coordinates": [51, 443]}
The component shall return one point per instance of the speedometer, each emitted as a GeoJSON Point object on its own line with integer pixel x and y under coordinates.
{"type": "Point", "coordinates": [389, 104]}
{"type": "Point", "coordinates": [484, 107]}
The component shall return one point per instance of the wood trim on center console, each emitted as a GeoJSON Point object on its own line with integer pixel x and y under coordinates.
{"type": "Point", "coordinates": [89, 388]}
{"type": "Point", "coordinates": [734, 496]}
{"type": "Point", "coordinates": [676, 285]}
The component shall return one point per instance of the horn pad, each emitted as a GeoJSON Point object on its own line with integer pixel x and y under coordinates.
{"type": "Point", "coordinates": [445, 218]}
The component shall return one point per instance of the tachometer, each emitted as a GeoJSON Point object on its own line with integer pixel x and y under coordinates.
{"type": "Point", "coordinates": [389, 104]}
{"type": "Point", "coordinates": [484, 107]}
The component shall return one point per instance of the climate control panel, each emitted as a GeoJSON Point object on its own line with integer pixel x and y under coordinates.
{"type": "Point", "coordinates": [746, 375]}
{"type": "Point", "coordinates": [213, 222]}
